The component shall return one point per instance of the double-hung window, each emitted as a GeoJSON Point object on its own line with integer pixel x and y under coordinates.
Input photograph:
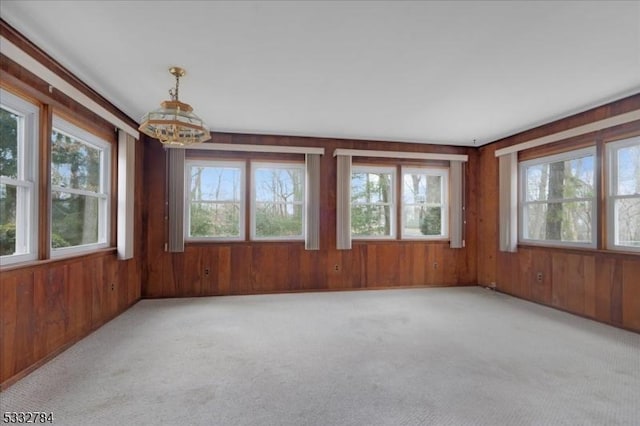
{"type": "Point", "coordinates": [558, 199]}
{"type": "Point", "coordinates": [80, 189]}
{"type": "Point", "coordinates": [373, 204]}
{"type": "Point", "coordinates": [18, 177]}
{"type": "Point", "coordinates": [278, 201]}
{"type": "Point", "coordinates": [623, 194]}
{"type": "Point", "coordinates": [424, 203]}
{"type": "Point", "coordinates": [215, 200]}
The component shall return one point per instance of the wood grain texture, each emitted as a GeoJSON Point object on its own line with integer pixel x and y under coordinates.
{"type": "Point", "coordinates": [598, 284]}
{"type": "Point", "coordinates": [249, 267]}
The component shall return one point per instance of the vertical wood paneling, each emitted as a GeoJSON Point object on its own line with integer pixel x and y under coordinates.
{"type": "Point", "coordinates": [224, 270]}
{"type": "Point", "coordinates": [597, 284]}
{"type": "Point", "coordinates": [631, 292]}
{"type": "Point", "coordinates": [605, 270]}
{"type": "Point", "coordinates": [47, 306]}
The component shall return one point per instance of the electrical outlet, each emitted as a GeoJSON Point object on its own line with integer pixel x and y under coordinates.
{"type": "Point", "coordinates": [113, 286]}
{"type": "Point", "coordinates": [336, 267]}
{"type": "Point", "coordinates": [539, 277]}
{"type": "Point", "coordinates": [206, 271]}
{"type": "Point", "coordinates": [435, 265]}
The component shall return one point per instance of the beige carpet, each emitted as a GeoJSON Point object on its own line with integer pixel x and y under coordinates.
{"type": "Point", "coordinates": [442, 356]}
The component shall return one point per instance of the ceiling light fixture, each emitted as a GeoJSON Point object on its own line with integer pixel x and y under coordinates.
{"type": "Point", "coordinates": [174, 123]}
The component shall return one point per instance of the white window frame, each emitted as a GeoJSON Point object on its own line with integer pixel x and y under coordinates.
{"type": "Point", "coordinates": [564, 156]}
{"type": "Point", "coordinates": [104, 196]}
{"type": "Point", "coordinates": [393, 204]}
{"type": "Point", "coordinates": [444, 204]}
{"type": "Point", "coordinates": [255, 165]}
{"type": "Point", "coordinates": [612, 149]}
{"type": "Point", "coordinates": [27, 178]}
{"type": "Point", "coordinates": [241, 165]}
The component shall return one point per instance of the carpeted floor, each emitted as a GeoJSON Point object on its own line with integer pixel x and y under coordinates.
{"type": "Point", "coordinates": [441, 356]}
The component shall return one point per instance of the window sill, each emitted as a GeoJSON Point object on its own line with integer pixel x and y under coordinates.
{"type": "Point", "coordinates": [579, 250]}
{"type": "Point", "coordinates": [38, 263]}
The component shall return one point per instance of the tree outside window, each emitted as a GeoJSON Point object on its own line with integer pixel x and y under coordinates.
{"type": "Point", "coordinates": [558, 199]}
{"type": "Point", "coordinates": [424, 210]}
{"type": "Point", "coordinates": [278, 201]}
{"type": "Point", "coordinates": [372, 202]}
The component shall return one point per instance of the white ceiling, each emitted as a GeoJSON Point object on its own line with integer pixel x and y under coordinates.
{"type": "Point", "coordinates": [436, 72]}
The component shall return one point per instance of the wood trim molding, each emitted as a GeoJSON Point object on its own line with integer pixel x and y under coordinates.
{"type": "Point", "coordinates": [616, 120]}
{"type": "Point", "coordinates": [22, 58]}
{"type": "Point", "coordinates": [401, 154]}
{"type": "Point", "coordinates": [252, 148]}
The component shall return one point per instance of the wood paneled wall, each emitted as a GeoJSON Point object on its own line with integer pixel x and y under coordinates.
{"type": "Point", "coordinates": [597, 284]}
{"type": "Point", "coordinates": [267, 267]}
{"type": "Point", "coordinates": [47, 305]}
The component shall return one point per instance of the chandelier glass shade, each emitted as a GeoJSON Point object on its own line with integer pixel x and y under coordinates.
{"type": "Point", "coordinates": [174, 123]}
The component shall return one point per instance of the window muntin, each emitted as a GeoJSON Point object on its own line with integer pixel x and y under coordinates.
{"type": "Point", "coordinates": [215, 200]}
{"type": "Point", "coordinates": [373, 203]}
{"type": "Point", "coordinates": [278, 201]}
{"type": "Point", "coordinates": [18, 176]}
{"type": "Point", "coordinates": [424, 203]}
{"type": "Point", "coordinates": [623, 195]}
{"type": "Point", "coordinates": [558, 199]}
{"type": "Point", "coordinates": [80, 188]}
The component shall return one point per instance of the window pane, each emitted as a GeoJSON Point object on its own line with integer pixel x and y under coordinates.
{"type": "Point", "coordinates": [9, 123]}
{"type": "Point", "coordinates": [74, 219]}
{"type": "Point", "coordinates": [278, 220]}
{"type": "Point", "coordinates": [7, 219]}
{"type": "Point", "coordinates": [422, 220]}
{"type": "Point", "coordinates": [215, 220]}
{"type": "Point", "coordinates": [74, 164]}
{"type": "Point", "coordinates": [629, 170]}
{"type": "Point", "coordinates": [627, 222]}
{"type": "Point", "coordinates": [279, 185]}
{"type": "Point", "coordinates": [215, 183]}
{"type": "Point", "coordinates": [567, 222]}
{"type": "Point", "coordinates": [572, 178]}
{"type": "Point", "coordinates": [371, 188]}
{"type": "Point", "coordinates": [370, 220]}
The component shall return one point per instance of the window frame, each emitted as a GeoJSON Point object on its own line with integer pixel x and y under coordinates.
{"type": "Point", "coordinates": [255, 165]}
{"type": "Point", "coordinates": [611, 164]}
{"type": "Point", "coordinates": [26, 181]}
{"type": "Point", "coordinates": [393, 205]}
{"type": "Point", "coordinates": [241, 165]}
{"type": "Point", "coordinates": [445, 205]}
{"type": "Point", "coordinates": [67, 128]}
{"type": "Point", "coordinates": [522, 187]}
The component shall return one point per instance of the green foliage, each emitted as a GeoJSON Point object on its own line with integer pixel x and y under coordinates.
{"type": "Point", "coordinates": [370, 216]}
{"type": "Point", "coordinates": [7, 239]}
{"type": "Point", "coordinates": [273, 223]}
{"type": "Point", "coordinates": [219, 220]}
{"type": "Point", "coordinates": [8, 144]}
{"type": "Point", "coordinates": [58, 242]}
{"type": "Point", "coordinates": [431, 223]}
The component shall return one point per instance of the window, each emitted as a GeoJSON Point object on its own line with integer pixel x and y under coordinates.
{"type": "Point", "coordinates": [373, 202]}
{"type": "Point", "coordinates": [18, 177]}
{"type": "Point", "coordinates": [80, 188]}
{"type": "Point", "coordinates": [278, 201]}
{"type": "Point", "coordinates": [215, 194]}
{"type": "Point", "coordinates": [424, 203]}
{"type": "Point", "coordinates": [558, 204]}
{"type": "Point", "coordinates": [623, 195]}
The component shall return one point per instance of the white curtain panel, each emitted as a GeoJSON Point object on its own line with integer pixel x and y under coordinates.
{"type": "Point", "coordinates": [126, 186]}
{"type": "Point", "coordinates": [176, 199]}
{"type": "Point", "coordinates": [508, 201]}
{"type": "Point", "coordinates": [343, 203]}
{"type": "Point", "coordinates": [312, 222]}
{"type": "Point", "coordinates": [456, 213]}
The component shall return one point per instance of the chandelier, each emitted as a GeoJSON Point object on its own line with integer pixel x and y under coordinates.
{"type": "Point", "coordinates": [174, 123]}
